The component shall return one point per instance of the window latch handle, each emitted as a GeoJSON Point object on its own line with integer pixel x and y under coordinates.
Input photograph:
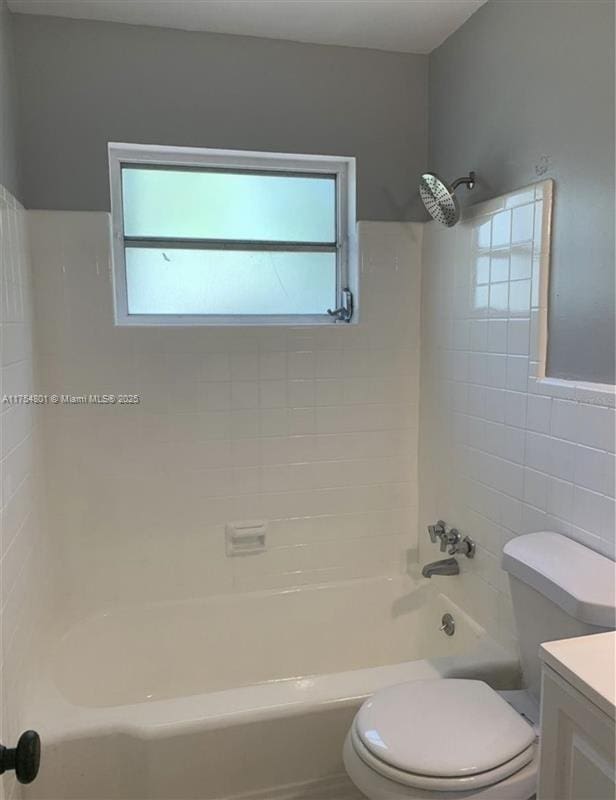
{"type": "Point", "coordinates": [345, 312]}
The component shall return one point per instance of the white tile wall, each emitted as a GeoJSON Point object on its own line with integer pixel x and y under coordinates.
{"type": "Point", "coordinates": [22, 584]}
{"type": "Point", "coordinates": [312, 429]}
{"type": "Point", "coordinates": [503, 450]}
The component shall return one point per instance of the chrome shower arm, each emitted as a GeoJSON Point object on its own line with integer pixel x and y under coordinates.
{"type": "Point", "coordinates": [468, 181]}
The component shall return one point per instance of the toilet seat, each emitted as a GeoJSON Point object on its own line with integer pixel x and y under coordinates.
{"type": "Point", "coordinates": [434, 784]}
{"type": "Point", "coordinates": [521, 785]}
{"type": "Point", "coordinates": [442, 736]}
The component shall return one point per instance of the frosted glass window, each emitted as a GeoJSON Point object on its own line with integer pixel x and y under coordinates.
{"type": "Point", "coordinates": [197, 204]}
{"type": "Point", "coordinates": [227, 237]}
{"type": "Point", "coordinates": [229, 282]}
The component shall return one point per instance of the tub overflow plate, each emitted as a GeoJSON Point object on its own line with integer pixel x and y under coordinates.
{"type": "Point", "coordinates": [448, 625]}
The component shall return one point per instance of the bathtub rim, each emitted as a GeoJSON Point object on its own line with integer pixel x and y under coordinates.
{"type": "Point", "coordinates": [57, 718]}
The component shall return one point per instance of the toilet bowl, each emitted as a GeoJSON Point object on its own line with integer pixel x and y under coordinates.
{"type": "Point", "coordinates": [452, 739]}
{"type": "Point", "coordinates": [428, 740]}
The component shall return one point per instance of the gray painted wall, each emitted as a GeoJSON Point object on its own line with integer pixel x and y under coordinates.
{"type": "Point", "coordinates": [525, 90]}
{"type": "Point", "coordinates": [9, 168]}
{"type": "Point", "coordinates": [86, 83]}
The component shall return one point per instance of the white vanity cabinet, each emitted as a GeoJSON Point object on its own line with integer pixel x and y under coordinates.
{"type": "Point", "coordinates": [577, 719]}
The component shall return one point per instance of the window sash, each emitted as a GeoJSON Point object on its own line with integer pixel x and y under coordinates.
{"type": "Point", "coordinates": [321, 177]}
{"type": "Point", "coordinates": [341, 170]}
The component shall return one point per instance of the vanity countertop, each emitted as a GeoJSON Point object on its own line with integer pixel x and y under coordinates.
{"type": "Point", "coordinates": [589, 664]}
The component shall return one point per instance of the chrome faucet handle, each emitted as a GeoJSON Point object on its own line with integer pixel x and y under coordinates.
{"type": "Point", "coordinates": [464, 545]}
{"type": "Point", "coordinates": [449, 541]}
{"type": "Point", "coordinates": [437, 531]}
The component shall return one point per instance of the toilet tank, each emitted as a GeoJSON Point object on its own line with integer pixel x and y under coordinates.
{"type": "Point", "coordinates": [559, 589]}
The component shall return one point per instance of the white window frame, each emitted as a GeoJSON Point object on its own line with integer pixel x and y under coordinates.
{"type": "Point", "coordinates": [343, 168]}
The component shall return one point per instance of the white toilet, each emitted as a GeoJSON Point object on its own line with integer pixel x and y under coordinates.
{"type": "Point", "coordinates": [454, 739]}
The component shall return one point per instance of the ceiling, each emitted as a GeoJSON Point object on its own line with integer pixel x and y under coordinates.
{"type": "Point", "coordinates": [411, 26]}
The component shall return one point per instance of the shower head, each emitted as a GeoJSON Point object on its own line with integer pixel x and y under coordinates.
{"type": "Point", "coordinates": [439, 197]}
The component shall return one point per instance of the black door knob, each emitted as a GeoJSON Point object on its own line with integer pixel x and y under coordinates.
{"type": "Point", "coordinates": [25, 759]}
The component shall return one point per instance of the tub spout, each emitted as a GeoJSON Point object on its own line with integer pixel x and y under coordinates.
{"type": "Point", "coordinates": [447, 566]}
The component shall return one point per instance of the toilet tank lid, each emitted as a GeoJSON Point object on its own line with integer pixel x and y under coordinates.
{"type": "Point", "coordinates": [579, 580]}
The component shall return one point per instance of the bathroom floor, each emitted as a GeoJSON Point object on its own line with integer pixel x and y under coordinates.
{"type": "Point", "coordinates": [335, 788]}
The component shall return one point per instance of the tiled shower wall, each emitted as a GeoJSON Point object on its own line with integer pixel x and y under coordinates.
{"type": "Point", "coordinates": [22, 545]}
{"type": "Point", "coordinates": [312, 429]}
{"type": "Point", "coordinates": [504, 451]}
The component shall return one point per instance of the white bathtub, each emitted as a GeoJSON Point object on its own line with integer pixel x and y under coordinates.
{"type": "Point", "coordinates": [236, 694]}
